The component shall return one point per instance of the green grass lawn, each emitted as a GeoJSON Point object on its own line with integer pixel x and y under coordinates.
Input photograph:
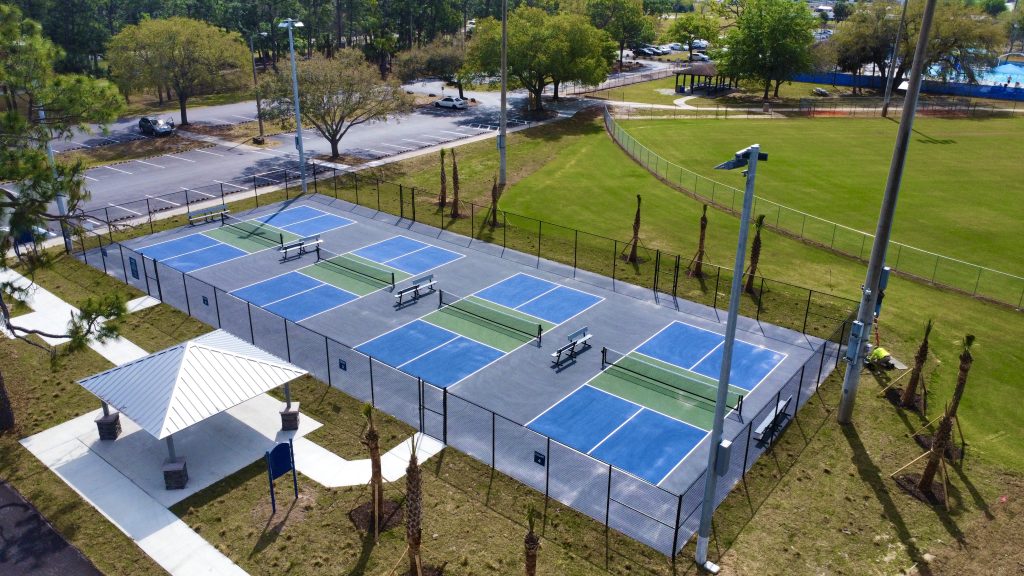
{"type": "Point", "coordinates": [959, 189]}
{"type": "Point", "coordinates": [654, 92]}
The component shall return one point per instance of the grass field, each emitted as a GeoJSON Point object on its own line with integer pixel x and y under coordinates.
{"type": "Point", "coordinates": [653, 92]}
{"type": "Point", "coordinates": [958, 195]}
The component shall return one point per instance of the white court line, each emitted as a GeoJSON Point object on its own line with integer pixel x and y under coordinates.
{"type": "Point", "coordinates": [115, 169]}
{"type": "Point", "coordinates": [179, 158]}
{"type": "Point", "coordinates": [321, 283]}
{"type": "Point", "coordinates": [617, 428]}
{"type": "Point", "coordinates": [123, 208]}
{"type": "Point", "coordinates": [162, 200]}
{"type": "Point", "coordinates": [149, 163]}
{"type": "Point", "coordinates": [198, 192]}
{"type": "Point", "coordinates": [230, 184]}
{"type": "Point", "coordinates": [455, 337]}
{"type": "Point", "coordinates": [207, 152]}
{"type": "Point", "coordinates": [702, 358]}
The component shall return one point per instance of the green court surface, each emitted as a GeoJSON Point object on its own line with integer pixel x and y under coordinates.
{"type": "Point", "coordinates": [656, 385]}
{"type": "Point", "coordinates": [251, 235]}
{"type": "Point", "coordinates": [489, 323]}
{"type": "Point", "coordinates": [354, 274]}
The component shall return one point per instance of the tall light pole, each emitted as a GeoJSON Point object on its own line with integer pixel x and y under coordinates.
{"type": "Point", "coordinates": [503, 119]}
{"type": "Point", "coordinates": [747, 157]}
{"type": "Point", "coordinates": [291, 24]}
{"type": "Point", "coordinates": [869, 292]}
{"type": "Point", "coordinates": [255, 87]}
{"type": "Point", "coordinates": [890, 73]}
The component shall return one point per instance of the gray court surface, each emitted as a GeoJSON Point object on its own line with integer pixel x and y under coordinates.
{"type": "Point", "coordinates": [486, 413]}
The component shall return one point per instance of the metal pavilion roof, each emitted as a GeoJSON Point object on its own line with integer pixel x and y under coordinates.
{"type": "Point", "coordinates": [175, 388]}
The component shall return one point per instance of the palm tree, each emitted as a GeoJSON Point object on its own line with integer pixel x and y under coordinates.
{"type": "Point", "coordinates": [907, 399]}
{"type": "Point", "coordinates": [494, 202]}
{"type": "Point", "coordinates": [443, 198]}
{"type": "Point", "coordinates": [941, 438]}
{"type": "Point", "coordinates": [755, 253]}
{"type": "Point", "coordinates": [698, 260]}
{"type": "Point", "coordinates": [414, 512]}
{"type": "Point", "coordinates": [455, 187]}
{"type": "Point", "coordinates": [371, 439]}
{"type": "Point", "coordinates": [531, 543]}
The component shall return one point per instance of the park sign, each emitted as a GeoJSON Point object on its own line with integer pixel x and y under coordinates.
{"type": "Point", "coordinates": [280, 460]}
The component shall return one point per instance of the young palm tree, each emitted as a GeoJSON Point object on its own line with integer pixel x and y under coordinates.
{"type": "Point", "coordinates": [755, 253]}
{"type": "Point", "coordinates": [443, 198]}
{"type": "Point", "coordinates": [414, 512]}
{"type": "Point", "coordinates": [907, 399]}
{"type": "Point", "coordinates": [941, 438]}
{"type": "Point", "coordinates": [531, 543]}
{"type": "Point", "coordinates": [494, 202]}
{"type": "Point", "coordinates": [698, 260]}
{"type": "Point", "coordinates": [371, 439]}
{"type": "Point", "coordinates": [455, 187]}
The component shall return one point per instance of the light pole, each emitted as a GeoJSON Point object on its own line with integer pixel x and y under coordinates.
{"type": "Point", "coordinates": [291, 24]}
{"type": "Point", "coordinates": [747, 157]}
{"type": "Point", "coordinates": [861, 329]}
{"type": "Point", "coordinates": [255, 86]}
{"type": "Point", "coordinates": [503, 119]}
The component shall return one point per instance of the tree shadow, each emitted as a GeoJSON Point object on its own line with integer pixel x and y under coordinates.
{"type": "Point", "coordinates": [926, 139]}
{"type": "Point", "coordinates": [976, 496]}
{"type": "Point", "coordinates": [365, 551]}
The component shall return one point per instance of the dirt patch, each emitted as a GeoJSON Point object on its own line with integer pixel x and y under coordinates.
{"type": "Point", "coordinates": [291, 511]}
{"type": "Point", "coordinates": [362, 516]}
{"type": "Point", "coordinates": [429, 570]}
{"type": "Point", "coordinates": [993, 546]}
{"type": "Point", "coordinates": [908, 482]}
{"type": "Point", "coordinates": [895, 396]}
{"type": "Point", "coordinates": [243, 132]}
{"type": "Point", "coordinates": [349, 159]}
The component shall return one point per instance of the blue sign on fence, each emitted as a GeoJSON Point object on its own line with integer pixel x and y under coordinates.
{"type": "Point", "coordinates": [279, 461]}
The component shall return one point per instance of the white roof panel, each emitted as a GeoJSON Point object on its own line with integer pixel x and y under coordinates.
{"type": "Point", "coordinates": [173, 389]}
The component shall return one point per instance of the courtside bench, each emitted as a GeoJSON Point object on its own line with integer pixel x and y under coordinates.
{"type": "Point", "coordinates": [771, 421]}
{"type": "Point", "coordinates": [301, 246]}
{"type": "Point", "coordinates": [579, 341]}
{"type": "Point", "coordinates": [418, 288]}
{"type": "Point", "coordinates": [207, 214]}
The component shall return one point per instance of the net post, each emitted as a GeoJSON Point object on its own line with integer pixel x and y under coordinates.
{"type": "Point", "coordinates": [604, 357]}
{"type": "Point", "coordinates": [540, 334]}
{"type": "Point", "coordinates": [440, 298]}
{"type": "Point", "coordinates": [392, 280]}
{"type": "Point", "coordinates": [739, 406]}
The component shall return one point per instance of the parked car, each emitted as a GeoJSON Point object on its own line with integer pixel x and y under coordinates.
{"type": "Point", "coordinates": [156, 126]}
{"type": "Point", "coordinates": [698, 57]}
{"type": "Point", "coordinates": [645, 52]}
{"type": "Point", "coordinates": [676, 46]}
{"type": "Point", "coordinates": [451, 102]}
{"type": "Point", "coordinates": [700, 44]}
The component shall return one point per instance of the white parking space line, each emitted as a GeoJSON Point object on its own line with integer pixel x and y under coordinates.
{"type": "Point", "coordinates": [221, 120]}
{"type": "Point", "coordinates": [375, 151]}
{"type": "Point", "coordinates": [230, 184]}
{"type": "Point", "coordinates": [262, 152]}
{"type": "Point", "coordinates": [421, 143]}
{"type": "Point", "coordinates": [438, 138]}
{"type": "Point", "coordinates": [179, 158]}
{"type": "Point", "coordinates": [123, 208]}
{"type": "Point", "coordinates": [116, 169]}
{"type": "Point", "coordinates": [397, 146]}
{"type": "Point", "coordinates": [162, 200]}
{"type": "Point", "coordinates": [198, 192]}
{"type": "Point", "coordinates": [246, 118]}
{"type": "Point", "coordinates": [456, 133]}
{"type": "Point", "coordinates": [208, 152]}
{"type": "Point", "coordinates": [87, 177]}
{"type": "Point", "coordinates": [150, 164]}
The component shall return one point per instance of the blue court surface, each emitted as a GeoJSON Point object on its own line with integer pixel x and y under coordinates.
{"type": "Point", "coordinates": [442, 356]}
{"type": "Point", "coordinates": [408, 255]}
{"type": "Point", "coordinates": [305, 221]}
{"type": "Point", "coordinates": [295, 296]}
{"type": "Point", "coordinates": [636, 436]}
{"type": "Point", "coordinates": [190, 253]}
{"type": "Point", "coordinates": [539, 298]}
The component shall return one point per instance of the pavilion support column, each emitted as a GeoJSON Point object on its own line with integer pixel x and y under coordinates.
{"type": "Point", "coordinates": [175, 471]}
{"type": "Point", "coordinates": [290, 414]}
{"type": "Point", "coordinates": [108, 425]}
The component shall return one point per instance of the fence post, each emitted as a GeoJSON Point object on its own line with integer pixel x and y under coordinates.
{"type": "Point", "coordinates": [216, 305]}
{"type": "Point", "coordinates": [675, 533]}
{"type": "Point", "coordinates": [504, 229]}
{"type": "Point", "coordinates": [540, 228]}
{"type": "Point", "coordinates": [313, 170]}
{"type": "Point", "coordinates": [746, 450]}
{"type": "Point", "coordinates": [807, 311]}
{"type": "Point", "coordinates": [285, 183]}
{"type": "Point", "coordinates": [110, 227]}
{"type": "Point", "coordinates": [718, 277]}
{"type": "Point", "coordinates": [255, 190]}
{"type": "Point", "coordinates": [401, 202]}
{"type": "Point", "coordinates": [373, 399]}
{"type": "Point", "coordinates": [575, 248]}
{"type": "Point", "coordinates": [494, 429]}
{"type": "Point", "coordinates": [334, 181]}
{"type": "Point", "coordinates": [287, 339]}
{"type": "Point", "coordinates": [675, 277]}
{"type": "Point", "coordinates": [607, 515]}
{"type": "Point", "coordinates": [222, 201]}
{"type": "Point", "coordinates": [935, 270]}
{"type": "Point", "coordinates": [156, 271]}
{"type": "Point", "coordinates": [146, 274]}
{"type": "Point", "coordinates": [444, 408]}
{"type": "Point", "coordinates": [615, 257]}
{"type": "Point", "coordinates": [355, 182]}
{"type": "Point", "coordinates": [760, 297]}
{"type": "Point", "coordinates": [799, 391]}
{"type": "Point", "coordinates": [124, 268]}
{"type": "Point", "coordinates": [419, 399]}
{"type": "Point", "coordinates": [252, 332]}
{"type": "Point", "coordinates": [149, 212]}
{"type": "Point", "coordinates": [376, 183]}
{"type": "Point", "coordinates": [412, 192]}
{"type": "Point", "coordinates": [657, 268]}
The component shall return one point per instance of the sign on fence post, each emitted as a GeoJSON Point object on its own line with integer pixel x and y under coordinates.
{"type": "Point", "coordinates": [279, 461]}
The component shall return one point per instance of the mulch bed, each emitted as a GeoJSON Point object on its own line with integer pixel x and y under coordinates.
{"type": "Point", "coordinates": [429, 570]}
{"type": "Point", "coordinates": [362, 516]}
{"type": "Point", "coordinates": [908, 482]}
{"type": "Point", "coordinates": [893, 395]}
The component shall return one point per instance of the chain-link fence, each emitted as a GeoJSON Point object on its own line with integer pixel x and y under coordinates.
{"type": "Point", "coordinates": [659, 518]}
{"type": "Point", "coordinates": [909, 261]}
